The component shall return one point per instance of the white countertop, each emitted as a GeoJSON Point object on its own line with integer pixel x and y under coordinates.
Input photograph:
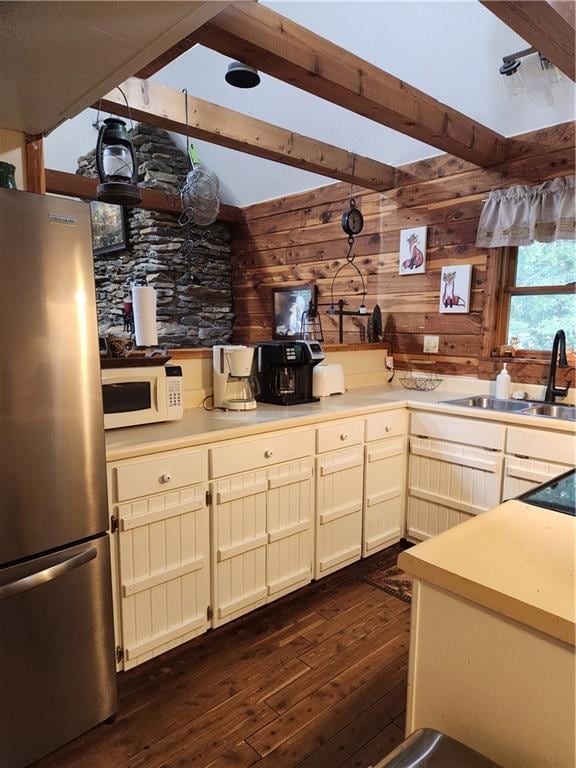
{"type": "Point", "coordinates": [200, 426]}
{"type": "Point", "coordinates": [516, 560]}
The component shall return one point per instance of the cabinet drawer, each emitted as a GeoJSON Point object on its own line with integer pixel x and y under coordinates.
{"type": "Point", "coordinates": [457, 430]}
{"type": "Point", "coordinates": [244, 456]}
{"type": "Point", "coordinates": [541, 444]}
{"type": "Point", "coordinates": [341, 434]}
{"type": "Point", "coordinates": [389, 424]}
{"type": "Point", "coordinates": [165, 472]}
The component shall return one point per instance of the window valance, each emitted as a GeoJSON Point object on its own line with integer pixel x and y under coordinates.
{"type": "Point", "coordinates": [520, 215]}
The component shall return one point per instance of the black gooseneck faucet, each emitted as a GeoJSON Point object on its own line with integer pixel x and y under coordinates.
{"type": "Point", "coordinates": [559, 360]}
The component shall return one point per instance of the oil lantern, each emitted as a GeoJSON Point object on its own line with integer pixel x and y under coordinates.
{"type": "Point", "coordinates": [116, 164]}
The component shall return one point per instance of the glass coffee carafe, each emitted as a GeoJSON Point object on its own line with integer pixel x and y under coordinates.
{"type": "Point", "coordinates": [285, 380]}
{"type": "Point", "coordinates": [241, 389]}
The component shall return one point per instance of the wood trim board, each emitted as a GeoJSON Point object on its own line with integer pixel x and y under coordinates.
{"type": "Point", "coordinates": [35, 171]}
{"type": "Point", "coordinates": [84, 187]}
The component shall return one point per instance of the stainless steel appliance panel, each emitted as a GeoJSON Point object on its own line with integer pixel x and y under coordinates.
{"type": "Point", "coordinates": [52, 470]}
{"type": "Point", "coordinates": [56, 650]}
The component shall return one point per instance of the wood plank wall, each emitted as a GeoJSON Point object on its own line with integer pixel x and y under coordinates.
{"type": "Point", "coordinates": [299, 238]}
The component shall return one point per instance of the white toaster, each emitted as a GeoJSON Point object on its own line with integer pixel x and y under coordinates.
{"type": "Point", "coordinates": [328, 380]}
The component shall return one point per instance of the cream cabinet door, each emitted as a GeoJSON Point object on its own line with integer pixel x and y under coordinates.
{"type": "Point", "coordinates": [535, 456]}
{"type": "Point", "coordinates": [448, 483]}
{"type": "Point", "coordinates": [164, 549]}
{"type": "Point", "coordinates": [239, 543]}
{"type": "Point", "coordinates": [339, 496]}
{"type": "Point", "coordinates": [521, 474]}
{"type": "Point", "coordinates": [290, 527]}
{"type": "Point", "coordinates": [383, 495]}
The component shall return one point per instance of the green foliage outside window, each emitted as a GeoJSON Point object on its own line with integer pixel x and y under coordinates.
{"type": "Point", "coordinates": [534, 319]}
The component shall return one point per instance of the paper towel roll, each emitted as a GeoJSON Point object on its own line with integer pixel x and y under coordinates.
{"type": "Point", "coordinates": [144, 303]}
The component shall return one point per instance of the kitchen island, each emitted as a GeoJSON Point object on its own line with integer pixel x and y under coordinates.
{"type": "Point", "coordinates": [492, 641]}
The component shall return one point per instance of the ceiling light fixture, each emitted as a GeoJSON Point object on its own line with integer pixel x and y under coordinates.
{"type": "Point", "coordinates": [511, 63]}
{"type": "Point", "coordinates": [510, 67]}
{"type": "Point", "coordinates": [551, 71]}
{"type": "Point", "coordinates": [241, 75]}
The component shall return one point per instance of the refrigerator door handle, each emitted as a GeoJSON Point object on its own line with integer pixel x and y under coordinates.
{"type": "Point", "coordinates": [46, 574]}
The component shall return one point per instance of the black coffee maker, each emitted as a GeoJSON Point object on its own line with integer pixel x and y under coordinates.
{"type": "Point", "coordinates": [284, 371]}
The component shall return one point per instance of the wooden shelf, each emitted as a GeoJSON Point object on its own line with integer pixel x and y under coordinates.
{"type": "Point", "coordinates": [84, 187]}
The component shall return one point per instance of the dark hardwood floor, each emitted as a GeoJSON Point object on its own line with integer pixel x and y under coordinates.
{"type": "Point", "coordinates": [317, 679]}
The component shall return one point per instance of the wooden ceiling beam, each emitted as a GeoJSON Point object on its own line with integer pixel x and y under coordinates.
{"type": "Point", "coordinates": [84, 187]}
{"type": "Point", "coordinates": [167, 57]}
{"type": "Point", "coordinates": [165, 108]}
{"type": "Point", "coordinates": [261, 38]}
{"type": "Point", "coordinates": [548, 25]}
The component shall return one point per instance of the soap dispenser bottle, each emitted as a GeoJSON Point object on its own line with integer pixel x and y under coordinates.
{"type": "Point", "coordinates": [503, 382]}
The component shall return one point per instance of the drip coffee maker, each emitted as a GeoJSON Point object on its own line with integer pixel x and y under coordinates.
{"type": "Point", "coordinates": [285, 371]}
{"type": "Point", "coordinates": [235, 389]}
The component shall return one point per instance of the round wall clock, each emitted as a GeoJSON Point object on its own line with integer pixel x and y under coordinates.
{"type": "Point", "coordinates": [352, 220]}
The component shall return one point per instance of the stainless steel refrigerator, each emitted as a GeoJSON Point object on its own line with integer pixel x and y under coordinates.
{"type": "Point", "coordinates": [57, 672]}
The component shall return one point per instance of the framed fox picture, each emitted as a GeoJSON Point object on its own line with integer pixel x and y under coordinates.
{"type": "Point", "coordinates": [413, 251]}
{"type": "Point", "coordinates": [455, 283]}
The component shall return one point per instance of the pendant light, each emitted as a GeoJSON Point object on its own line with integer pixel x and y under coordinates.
{"type": "Point", "coordinates": [116, 164]}
{"type": "Point", "coordinates": [241, 75]}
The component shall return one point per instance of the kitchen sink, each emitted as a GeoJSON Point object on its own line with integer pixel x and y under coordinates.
{"type": "Point", "coordinates": [523, 407]}
{"type": "Point", "coordinates": [492, 403]}
{"type": "Point", "coordinates": [553, 411]}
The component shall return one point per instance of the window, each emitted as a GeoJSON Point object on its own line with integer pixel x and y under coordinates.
{"type": "Point", "coordinates": [538, 295]}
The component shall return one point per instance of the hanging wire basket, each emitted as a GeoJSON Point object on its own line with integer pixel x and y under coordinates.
{"type": "Point", "coordinates": [199, 196]}
{"type": "Point", "coordinates": [418, 380]}
{"type": "Point", "coordinates": [199, 192]}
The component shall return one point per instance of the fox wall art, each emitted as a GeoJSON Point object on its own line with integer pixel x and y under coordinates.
{"type": "Point", "coordinates": [455, 289]}
{"type": "Point", "coordinates": [413, 251]}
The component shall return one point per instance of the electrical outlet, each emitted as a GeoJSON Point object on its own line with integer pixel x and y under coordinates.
{"type": "Point", "coordinates": [431, 344]}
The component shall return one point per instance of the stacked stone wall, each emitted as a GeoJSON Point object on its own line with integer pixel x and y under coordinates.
{"type": "Point", "coordinates": [189, 266]}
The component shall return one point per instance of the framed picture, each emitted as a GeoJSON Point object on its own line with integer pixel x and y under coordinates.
{"type": "Point", "coordinates": [455, 286]}
{"type": "Point", "coordinates": [108, 227]}
{"type": "Point", "coordinates": [289, 304]}
{"type": "Point", "coordinates": [413, 251]}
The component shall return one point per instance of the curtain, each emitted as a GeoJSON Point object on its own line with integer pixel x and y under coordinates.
{"type": "Point", "coordinates": [520, 215]}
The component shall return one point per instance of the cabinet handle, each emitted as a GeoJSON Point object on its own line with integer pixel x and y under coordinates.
{"type": "Point", "coordinates": [388, 429]}
{"type": "Point", "coordinates": [268, 454]}
{"type": "Point", "coordinates": [166, 477]}
{"type": "Point", "coordinates": [343, 436]}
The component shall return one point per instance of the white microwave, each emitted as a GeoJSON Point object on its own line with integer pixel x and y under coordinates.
{"type": "Point", "coordinates": [142, 395]}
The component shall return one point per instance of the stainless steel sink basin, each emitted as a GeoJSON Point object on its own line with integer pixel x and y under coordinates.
{"type": "Point", "coordinates": [567, 412]}
{"type": "Point", "coordinates": [523, 407]}
{"type": "Point", "coordinates": [492, 403]}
